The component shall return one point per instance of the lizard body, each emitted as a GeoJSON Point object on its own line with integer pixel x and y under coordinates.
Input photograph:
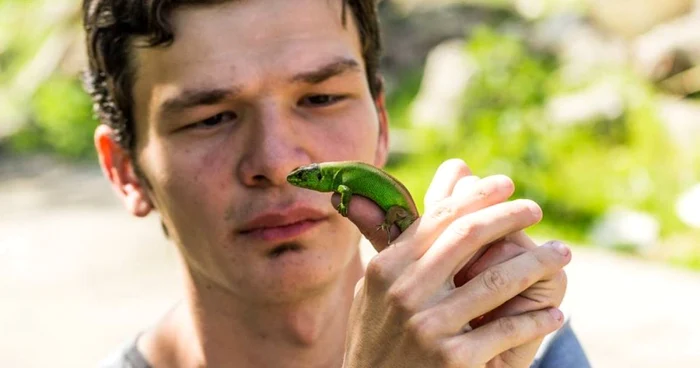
{"type": "Point", "coordinates": [350, 178]}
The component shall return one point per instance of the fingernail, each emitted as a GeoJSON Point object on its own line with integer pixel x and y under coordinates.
{"type": "Point", "coordinates": [559, 247]}
{"type": "Point", "coordinates": [557, 314]}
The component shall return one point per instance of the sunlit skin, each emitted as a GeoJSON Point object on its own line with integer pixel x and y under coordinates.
{"type": "Point", "coordinates": [223, 115]}
{"type": "Point", "coordinates": [249, 91]}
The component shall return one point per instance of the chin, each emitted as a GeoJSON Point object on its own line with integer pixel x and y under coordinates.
{"type": "Point", "coordinates": [293, 270]}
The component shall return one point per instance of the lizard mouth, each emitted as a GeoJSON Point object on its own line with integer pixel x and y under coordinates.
{"type": "Point", "coordinates": [295, 178]}
{"type": "Point", "coordinates": [301, 176]}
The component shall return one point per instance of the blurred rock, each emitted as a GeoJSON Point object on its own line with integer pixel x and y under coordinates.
{"type": "Point", "coordinates": [682, 120]}
{"type": "Point", "coordinates": [580, 47]}
{"type": "Point", "coordinates": [551, 34]}
{"type": "Point", "coordinates": [626, 228]}
{"type": "Point", "coordinates": [530, 9]}
{"type": "Point", "coordinates": [684, 83]}
{"type": "Point", "coordinates": [603, 100]}
{"type": "Point", "coordinates": [688, 207]}
{"type": "Point", "coordinates": [669, 48]}
{"type": "Point", "coordinates": [415, 33]}
{"type": "Point", "coordinates": [446, 76]}
{"type": "Point", "coordinates": [630, 18]}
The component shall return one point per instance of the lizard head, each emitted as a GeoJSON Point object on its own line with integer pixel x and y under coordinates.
{"type": "Point", "coordinates": [310, 177]}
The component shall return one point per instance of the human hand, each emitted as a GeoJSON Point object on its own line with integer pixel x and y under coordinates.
{"type": "Point", "coordinates": [545, 293]}
{"type": "Point", "coordinates": [408, 310]}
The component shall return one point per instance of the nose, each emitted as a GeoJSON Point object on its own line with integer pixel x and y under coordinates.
{"type": "Point", "coordinates": [275, 148]}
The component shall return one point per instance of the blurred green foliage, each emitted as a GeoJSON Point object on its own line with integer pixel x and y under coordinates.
{"type": "Point", "coordinates": [62, 121]}
{"type": "Point", "coordinates": [576, 173]}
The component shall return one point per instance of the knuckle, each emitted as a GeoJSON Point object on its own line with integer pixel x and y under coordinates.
{"type": "Point", "coordinates": [494, 280]}
{"type": "Point", "coordinates": [378, 270]}
{"type": "Point", "coordinates": [401, 299]}
{"type": "Point", "coordinates": [526, 281]}
{"type": "Point", "coordinates": [508, 327]}
{"type": "Point", "coordinates": [422, 329]}
{"type": "Point", "coordinates": [466, 230]}
{"type": "Point", "coordinates": [454, 353]}
{"type": "Point", "coordinates": [442, 211]}
{"type": "Point", "coordinates": [538, 321]}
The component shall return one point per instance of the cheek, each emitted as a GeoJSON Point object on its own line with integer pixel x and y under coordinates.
{"type": "Point", "coordinates": [352, 135]}
{"type": "Point", "coordinates": [193, 184]}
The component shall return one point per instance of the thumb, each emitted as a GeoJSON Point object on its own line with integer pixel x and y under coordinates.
{"type": "Point", "coordinates": [368, 217]}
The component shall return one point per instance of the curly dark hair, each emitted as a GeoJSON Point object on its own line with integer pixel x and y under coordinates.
{"type": "Point", "coordinates": [113, 26]}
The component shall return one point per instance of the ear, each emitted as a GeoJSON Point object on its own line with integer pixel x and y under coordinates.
{"type": "Point", "coordinates": [382, 153]}
{"type": "Point", "coordinates": [118, 166]}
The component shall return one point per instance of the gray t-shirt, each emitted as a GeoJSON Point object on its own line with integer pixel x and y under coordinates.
{"type": "Point", "coordinates": [560, 349]}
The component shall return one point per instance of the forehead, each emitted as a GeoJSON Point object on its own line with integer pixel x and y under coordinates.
{"type": "Point", "coordinates": [241, 40]}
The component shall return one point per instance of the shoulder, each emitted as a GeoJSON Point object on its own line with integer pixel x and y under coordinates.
{"type": "Point", "coordinates": [125, 356]}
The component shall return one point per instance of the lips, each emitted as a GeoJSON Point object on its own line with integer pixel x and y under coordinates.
{"type": "Point", "coordinates": [283, 225]}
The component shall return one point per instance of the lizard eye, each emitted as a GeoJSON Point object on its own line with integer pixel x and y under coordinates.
{"type": "Point", "coordinates": [319, 176]}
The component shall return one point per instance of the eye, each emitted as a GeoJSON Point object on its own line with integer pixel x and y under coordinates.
{"type": "Point", "coordinates": [321, 100]}
{"type": "Point", "coordinates": [220, 118]}
{"type": "Point", "coordinates": [319, 176]}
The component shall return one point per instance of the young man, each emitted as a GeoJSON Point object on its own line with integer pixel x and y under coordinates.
{"type": "Point", "coordinates": [207, 106]}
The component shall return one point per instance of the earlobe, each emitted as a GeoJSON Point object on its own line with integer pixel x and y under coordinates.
{"type": "Point", "coordinates": [118, 167]}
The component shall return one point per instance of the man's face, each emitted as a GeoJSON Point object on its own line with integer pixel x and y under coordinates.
{"type": "Point", "coordinates": [248, 91]}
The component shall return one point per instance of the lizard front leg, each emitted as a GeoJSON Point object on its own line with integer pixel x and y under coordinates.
{"type": "Point", "coordinates": [345, 195]}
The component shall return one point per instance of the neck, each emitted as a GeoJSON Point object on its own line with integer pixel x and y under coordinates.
{"type": "Point", "coordinates": [226, 329]}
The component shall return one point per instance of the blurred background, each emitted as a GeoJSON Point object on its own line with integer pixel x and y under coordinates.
{"type": "Point", "coordinates": [591, 106]}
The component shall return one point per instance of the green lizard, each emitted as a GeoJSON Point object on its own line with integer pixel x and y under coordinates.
{"type": "Point", "coordinates": [354, 177]}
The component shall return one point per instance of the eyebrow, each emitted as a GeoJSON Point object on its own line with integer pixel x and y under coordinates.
{"type": "Point", "coordinates": [198, 97]}
{"type": "Point", "coordinates": [327, 71]}
{"type": "Point", "coordinates": [195, 97]}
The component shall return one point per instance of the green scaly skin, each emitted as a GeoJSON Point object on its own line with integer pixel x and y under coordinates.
{"type": "Point", "coordinates": [353, 177]}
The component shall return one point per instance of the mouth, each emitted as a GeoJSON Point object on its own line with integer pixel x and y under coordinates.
{"type": "Point", "coordinates": [282, 232]}
{"type": "Point", "coordinates": [283, 226]}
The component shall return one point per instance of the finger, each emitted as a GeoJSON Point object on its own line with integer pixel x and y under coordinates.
{"type": "Point", "coordinates": [496, 253]}
{"type": "Point", "coordinates": [482, 345]}
{"type": "Point", "coordinates": [446, 176]}
{"type": "Point", "coordinates": [367, 216]}
{"type": "Point", "coordinates": [464, 185]}
{"type": "Point", "coordinates": [500, 283]}
{"type": "Point", "coordinates": [522, 239]}
{"type": "Point", "coordinates": [547, 293]}
{"type": "Point", "coordinates": [512, 245]}
{"type": "Point", "coordinates": [483, 193]}
{"type": "Point", "coordinates": [466, 237]}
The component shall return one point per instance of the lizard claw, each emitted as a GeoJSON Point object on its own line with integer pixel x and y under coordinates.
{"type": "Point", "coordinates": [343, 210]}
{"type": "Point", "coordinates": [386, 227]}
